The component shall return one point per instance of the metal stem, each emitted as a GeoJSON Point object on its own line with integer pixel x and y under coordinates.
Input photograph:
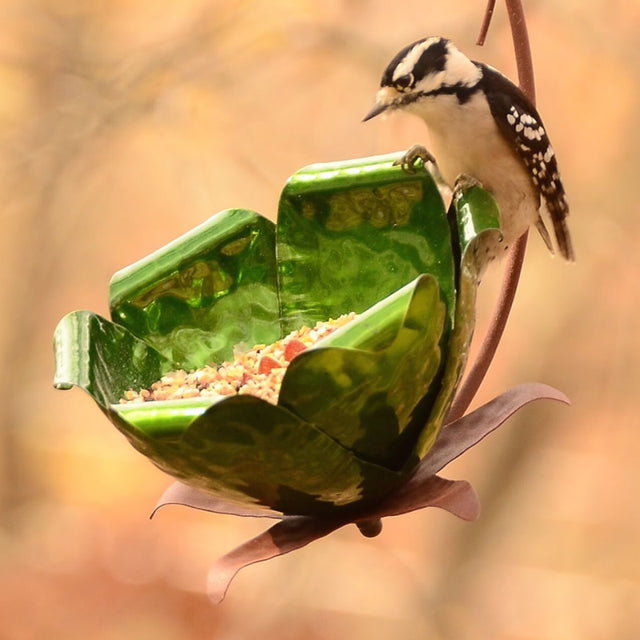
{"type": "Point", "coordinates": [515, 260]}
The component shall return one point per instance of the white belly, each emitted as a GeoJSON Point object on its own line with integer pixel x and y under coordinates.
{"type": "Point", "coordinates": [467, 141]}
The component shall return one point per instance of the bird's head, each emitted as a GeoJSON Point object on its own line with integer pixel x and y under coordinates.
{"type": "Point", "coordinates": [422, 71]}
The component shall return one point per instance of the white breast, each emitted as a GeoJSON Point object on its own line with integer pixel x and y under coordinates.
{"type": "Point", "coordinates": [465, 140]}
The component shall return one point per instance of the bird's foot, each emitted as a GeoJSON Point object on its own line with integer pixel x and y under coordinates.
{"type": "Point", "coordinates": [465, 181]}
{"type": "Point", "coordinates": [411, 156]}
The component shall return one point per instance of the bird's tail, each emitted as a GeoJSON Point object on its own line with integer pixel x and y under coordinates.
{"type": "Point", "coordinates": [558, 209]}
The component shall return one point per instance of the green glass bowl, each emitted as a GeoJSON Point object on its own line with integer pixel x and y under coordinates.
{"type": "Point", "coordinates": [357, 411]}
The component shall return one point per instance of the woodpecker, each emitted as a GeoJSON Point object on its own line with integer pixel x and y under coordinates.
{"type": "Point", "coordinates": [483, 128]}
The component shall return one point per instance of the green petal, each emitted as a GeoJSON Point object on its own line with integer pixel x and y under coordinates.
{"type": "Point", "coordinates": [367, 385]}
{"type": "Point", "coordinates": [251, 452]}
{"type": "Point", "coordinates": [351, 233]}
{"type": "Point", "coordinates": [103, 358]}
{"type": "Point", "coordinates": [211, 289]}
{"type": "Point", "coordinates": [477, 215]}
{"type": "Point", "coordinates": [478, 218]}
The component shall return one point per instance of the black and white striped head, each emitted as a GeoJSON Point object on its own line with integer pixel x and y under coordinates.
{"type": "Point", "coordinates": [427, 68]}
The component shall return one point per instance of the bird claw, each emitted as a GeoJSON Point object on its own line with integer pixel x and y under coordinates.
{"type": "Point", "coordinates": [465, 181]}
{"type": "Point", "coordinates": [411, 156]}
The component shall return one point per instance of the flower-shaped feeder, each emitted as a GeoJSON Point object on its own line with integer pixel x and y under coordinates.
{"type": "Point", "coordinates": [356, 431]}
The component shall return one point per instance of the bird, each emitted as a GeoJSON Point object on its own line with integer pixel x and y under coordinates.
{"type": "Point", "coordinates": [483, 130]}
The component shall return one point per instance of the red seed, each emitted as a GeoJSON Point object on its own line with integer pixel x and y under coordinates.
{"type": "Point", "coordinates": [293, 348]}
{"type": "Point", "coordinates": [267, 363]}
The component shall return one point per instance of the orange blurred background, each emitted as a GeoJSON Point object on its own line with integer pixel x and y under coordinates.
{"type": "Point", "coordinates": [122, 125]}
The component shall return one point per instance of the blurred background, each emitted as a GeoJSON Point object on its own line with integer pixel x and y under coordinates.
{"type": "Point", "coordinates": [124, 124]}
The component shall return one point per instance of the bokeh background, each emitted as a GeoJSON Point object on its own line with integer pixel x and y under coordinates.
{"type": "Point", "coordinates": [124, 124]}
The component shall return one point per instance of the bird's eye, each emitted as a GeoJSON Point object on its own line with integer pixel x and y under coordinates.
{"type": "Point", "coordinates": [404, 82]}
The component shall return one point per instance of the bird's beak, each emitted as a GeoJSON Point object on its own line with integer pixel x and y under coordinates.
{"type": "Point", "coordinates": [378, 108]}
{"type": "Point", "coordinates": [387, 98]}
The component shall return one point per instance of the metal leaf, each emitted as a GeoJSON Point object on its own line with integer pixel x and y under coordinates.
{"type": "Point", "coordinates": [423, 489]}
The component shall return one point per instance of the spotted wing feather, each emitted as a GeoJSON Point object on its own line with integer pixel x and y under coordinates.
{"type": "Point", "coordinates": [521, 125]}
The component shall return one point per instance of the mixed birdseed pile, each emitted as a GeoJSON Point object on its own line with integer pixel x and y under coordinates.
{"type": "Point", "coordinates": [258, 372]}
